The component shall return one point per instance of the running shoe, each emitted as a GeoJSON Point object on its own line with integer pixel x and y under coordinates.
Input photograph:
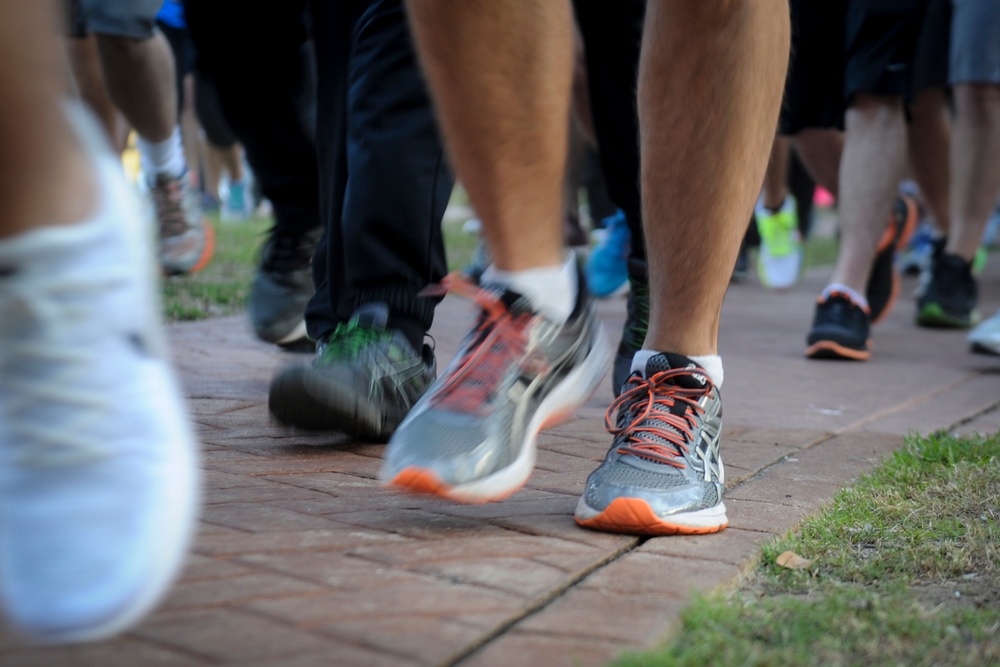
{"type": "Point", "coordinates": [884, 280]}
{"type": "Point", "coordinates": [282, 286]}
{"type": "Point", "coordinates": [237, 204]}
{"type": "Point", "coordinates": [664, 473]}
{"type": "Point", "coordinates": [471, 438]}
{"type": "Point", "coordinates": [779, 259]}
{"type": "Point", "coordinates": [607, 266]}
{"type": "Point", "coordinates": [950, 299]}
{"type": "Point", "coordinates": [840, 329]}
{"type": "Point", "coordinates": [186, 238]}
{"type": "Point", "coordinates": [364, 380]}
{"type": "Point", "coordinates": [985, 338]}
{"type": "Point", "coordinates": [636, 323]}
{"type": "Point", "coordinates": [98, 461]}
{"type": "Point", "coordinates": [481, 260]}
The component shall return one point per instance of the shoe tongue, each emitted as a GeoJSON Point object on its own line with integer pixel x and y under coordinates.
{"type": "Point", "coordinates": [375, 314]}
{"type": "Point", "coordinates": [666, 361]}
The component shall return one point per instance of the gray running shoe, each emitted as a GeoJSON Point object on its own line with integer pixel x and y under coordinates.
{"type": "Point", "coordinates": [363, 380]}
{"type": "Point", "coordinates": [282, 287]}
{"type": "Point", "coordinates": [472, 437]}
{"type": "Point", "coordinates": [664, 474]}
{"type": "Point", "coordinates": [186, 243]}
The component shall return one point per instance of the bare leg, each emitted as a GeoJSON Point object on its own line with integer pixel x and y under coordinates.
{"type": "Point", "coordinates": [820, 150]}
{"type": "Point", "coordinates": [874, 153]}
{"type": "Point", "coordinates": [190, 130]}
{"type": "Point", "coordinates": [710, 85]}
{"type": "Point", "coordinates": [510, 154]}
{"type": "Point", "coordinates": [928, 136]}
{"type": "Point", "coordinates": [975, 169]}
{"type": "Point", "coordinates": [776, 176]}
{"type": "Point", "coordinates": [140, 79]}
{"type": "Point", "coordinates": [37, 146]}
{"type": "Point", "coordinates": [85, 63]}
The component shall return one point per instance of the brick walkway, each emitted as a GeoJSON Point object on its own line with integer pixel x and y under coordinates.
{"type": "Point", "coordinates": [302, 559]}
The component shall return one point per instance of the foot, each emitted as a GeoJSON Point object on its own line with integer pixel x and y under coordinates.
{"type": "Point", "coordinates": [98, 471]}
{"type": "Point", "coordinates": [364, 380]}
{"type": "Point", "coordinates": [282, 287]}
{"type": "Point", "coordinates": [607, 266]}
{"type": "Point", "coordinates": [840, 329]}
{"type": "Point", "coordinates": [186, 240]}
{"type": "Point", "coordinates": [950, 299]}
{"type": "Point", "coordinates": [985, 338]}
{"type": "Point", "coordinates": [884, 280]}
{"type": "Point", "coordinates": [779, 260]}
{"type": "Point", "coordinates": [663, 474]}
{"type": "Point", "coordinates": [472, 437]}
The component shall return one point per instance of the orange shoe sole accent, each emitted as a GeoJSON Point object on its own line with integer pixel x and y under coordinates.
{"type": "Point", "coordinates": [418, 480]}
{"type": "Point", "coordinates": [889, 238]}
{"type": "Point", "coordinates": [635, 517]}
{"type": "Point", "coordinates": [827, 349]}
{"type": "Point", "coordinates": [206, 255]}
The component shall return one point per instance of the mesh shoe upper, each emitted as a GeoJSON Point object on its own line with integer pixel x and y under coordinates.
{"type": "Point", "coordinates": [607, 270]}
{"type": "Point", "coordinates": [282, 286]}
{"type": "Point", "coordinates": [950, 299]}
{"type": "Point", "coordinates": [364, 379]}
{"type": "Point", "coordinates": [183, 241]}
{"type": "Point", "coordinates": [515, 371]}
{"type": "Point", "coordinates": [780, 258]}
{"type": "Point", "coordinates": [666, 428]}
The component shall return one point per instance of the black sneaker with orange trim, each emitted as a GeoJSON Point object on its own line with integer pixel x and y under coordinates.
{"type": "Point", "coordinates": [840, 329]}
{"type": "Point", "coordinates": [884, 280]}
{"type": "Point", "coordinates": [471, 438]}
{"type": "Point", "coordinates": [664, 473]}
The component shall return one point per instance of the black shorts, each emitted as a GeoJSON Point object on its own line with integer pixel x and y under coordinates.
{"type": "Point", "coordinates": [844, 47]}
{"type": "Point", "coordinates": [881, 47]}
{"type": "Point", "coordinates": [814, 88]}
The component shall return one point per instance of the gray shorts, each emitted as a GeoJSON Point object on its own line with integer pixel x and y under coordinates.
{"type": "Point", "coordinates": [120, 18]}
{"type": "Point", "coordinates": [974, 54]}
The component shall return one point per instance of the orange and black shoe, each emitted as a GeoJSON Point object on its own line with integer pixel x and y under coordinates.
{"type": "Point", "coordinates": [840, 329]}
{"type": "Point", "coordinates": [663, 474]}
{"type": "Point", "coordinates": [471, 438]}
{"type": "Point", "coordinates": [884, 280]}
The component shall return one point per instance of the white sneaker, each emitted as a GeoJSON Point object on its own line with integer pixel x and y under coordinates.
{"type": "Point", "coordinates": [985, 337]}
{"type": "Point", "coordinates": [779, 260]}
{"type": "Point", "coordinates": [98, 474]}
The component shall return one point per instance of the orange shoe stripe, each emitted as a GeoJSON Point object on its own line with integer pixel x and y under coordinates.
{"type": "Point", "coordinates": [634, 516]}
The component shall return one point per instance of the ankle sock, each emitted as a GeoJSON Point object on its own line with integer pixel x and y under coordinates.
{"type": "Point", "coordinates": [550, 289]}
{"type": "Point", "coordinates": [162, 158]}
{"type": "Point", "coordinates": [711, 363]}
{"type": "Point", "coordinates": [856, 296]}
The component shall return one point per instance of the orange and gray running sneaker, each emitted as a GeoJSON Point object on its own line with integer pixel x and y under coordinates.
{"type": "Point", "coordinates": [186, 242]}
{"type": "Point", "coordinates": [663, 474]}
{"type": "Point", "coordinates": [471, 438]}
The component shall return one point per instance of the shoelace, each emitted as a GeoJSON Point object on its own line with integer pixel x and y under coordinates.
{"type": "Point", "coordinates": [66, 442]}
{"type": "Point", "coordinates": [652, 400]}
{"type": "Point", "coordinates": [497, 342]}
{"type": "Point", "coordinates": [348, 340]}
{"type": "Point", "coordinates": [169, 204]}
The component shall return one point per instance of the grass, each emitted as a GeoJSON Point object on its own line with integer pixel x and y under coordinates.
{"type": "Point", "coordinates": [905, 571]}
{"type": "Point", "coordinates": [221, 288]}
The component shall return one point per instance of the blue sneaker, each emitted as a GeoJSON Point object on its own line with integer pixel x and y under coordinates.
{"type": "Point", "coordinates": [607, 267]}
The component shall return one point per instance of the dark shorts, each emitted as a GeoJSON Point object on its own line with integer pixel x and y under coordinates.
{"type": "Point", "coordinates": [960, 43]}
{"type": "Point", "coordinates": [119, 18]}
{"type": "Point", "coordinates": [814, 88]}
{"type": "Point", "coordinates": [881, 46]}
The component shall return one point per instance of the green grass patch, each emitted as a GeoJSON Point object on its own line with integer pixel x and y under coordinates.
{"type": "Point", "coordinates": [905, 571]}
{"type": "Point", "coordinates": [220, 288]}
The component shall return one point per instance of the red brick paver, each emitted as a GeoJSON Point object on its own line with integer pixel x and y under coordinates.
{"type": "Point", "coordinates": [302, 559]}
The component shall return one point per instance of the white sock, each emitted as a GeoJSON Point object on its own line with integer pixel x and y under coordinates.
{"type": "Point", "coordinates": [162, 158]}
{"type": "Point", "coordinates": [550, 289]}
{"type": "Point", "coordinates": [856, 297]}
{"type": "Point", "coordinates": [712, 363]}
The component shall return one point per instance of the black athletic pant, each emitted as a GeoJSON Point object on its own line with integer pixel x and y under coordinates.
{"type": "Point", "coordinates": [612, 35]}
{"type": "Point", "coordinates": [374, 171]}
